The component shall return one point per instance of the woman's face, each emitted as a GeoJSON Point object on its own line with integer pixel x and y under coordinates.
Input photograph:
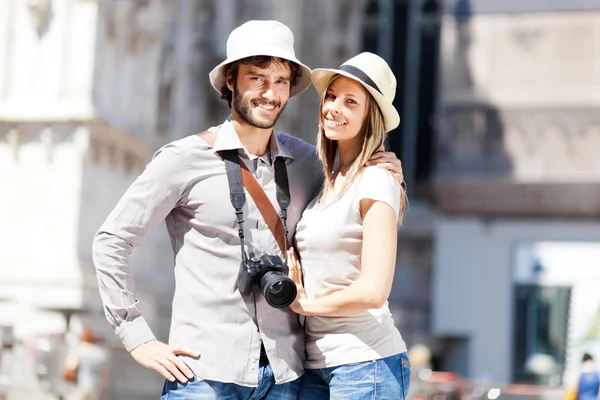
{"type": "Point", "coordinates": [344, 109]}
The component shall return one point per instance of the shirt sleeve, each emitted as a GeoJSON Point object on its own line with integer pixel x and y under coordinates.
{"type": "Point", "coordinates": [380, 185]}
{"type": "Point", "coordinates": [143, 206]}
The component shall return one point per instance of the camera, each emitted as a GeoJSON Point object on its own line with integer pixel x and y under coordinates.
{"type": "Point", "coordinates": [269, 274]}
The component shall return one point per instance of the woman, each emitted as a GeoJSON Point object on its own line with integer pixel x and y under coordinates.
{"type": "Point", "coordinates": [346, 240]}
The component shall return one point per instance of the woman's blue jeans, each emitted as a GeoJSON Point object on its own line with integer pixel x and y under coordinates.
{"type": "Point", "coordinates": [386, 378]}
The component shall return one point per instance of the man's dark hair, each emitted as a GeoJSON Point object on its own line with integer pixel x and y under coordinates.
{"type": "Point", "coordinates": [587, 357]}
{"type": "Point", "coordinates": [230, 71]}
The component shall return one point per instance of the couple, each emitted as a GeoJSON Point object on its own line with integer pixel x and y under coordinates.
{"type": "Point", "coordinates": [226, 345]}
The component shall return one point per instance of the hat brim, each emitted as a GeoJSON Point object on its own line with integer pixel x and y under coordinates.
{"type": "Point", "coordinates": [217, 77]}
{"type": "Point", "coordinates": [321, 76]}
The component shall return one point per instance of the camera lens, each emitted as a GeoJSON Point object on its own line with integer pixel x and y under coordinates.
{"type": "Point", "coordinates": [276, 289]}
{"type": "Point", "coordinates": [279, 290]}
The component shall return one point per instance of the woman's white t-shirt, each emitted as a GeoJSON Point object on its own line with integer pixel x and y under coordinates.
{"type": "Point", "coordinates": [329, 240]}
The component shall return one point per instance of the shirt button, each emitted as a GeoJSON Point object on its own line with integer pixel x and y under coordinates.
{"type": "Point", "coordinates": [253, 360]}
{"type": "Point", "coordinates": [253, 367]}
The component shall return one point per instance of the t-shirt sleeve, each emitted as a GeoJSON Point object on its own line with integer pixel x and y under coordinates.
{"type": "Point", "coordinates": [380, 185]}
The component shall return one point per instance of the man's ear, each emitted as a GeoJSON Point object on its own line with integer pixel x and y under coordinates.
{"type": "Point", "coordinates": [228, 83]}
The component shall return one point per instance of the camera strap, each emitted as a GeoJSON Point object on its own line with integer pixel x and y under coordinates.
{"type": "Point", "coordinates": [239, 177]}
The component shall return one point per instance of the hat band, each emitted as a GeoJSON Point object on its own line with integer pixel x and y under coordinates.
{"type": "Point", "coordinates": [360, 75]}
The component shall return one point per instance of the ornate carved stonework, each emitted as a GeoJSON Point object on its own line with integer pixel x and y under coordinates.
{"type": "Point", "coordinates": [12, 137]}
{"type": "Point", "coordinates": [102, 142]}
{"type": "Point", "coordinates": [518, 161]}
{"type": "Point", "coordinates": [496, 197]}
{"type": "Point", "coordinates": [117, 148]}
{"type": "Point", "coordinates": [41, 13]}
{"type": "Point", "coordinates": [523, 144]}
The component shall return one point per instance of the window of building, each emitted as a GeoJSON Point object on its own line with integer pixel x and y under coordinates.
{"type": "Point", "coordinates": [540, 320]}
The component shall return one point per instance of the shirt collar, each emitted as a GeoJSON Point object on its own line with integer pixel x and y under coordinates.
{"type": "Point", "coordinates": [228, 139]}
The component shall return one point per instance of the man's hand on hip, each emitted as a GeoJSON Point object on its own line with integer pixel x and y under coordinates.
{"type": "Point", "coordinates": [163, 359]}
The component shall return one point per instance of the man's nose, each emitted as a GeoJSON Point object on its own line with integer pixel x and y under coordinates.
{"type": "Point", "coordinates": [268, 91]}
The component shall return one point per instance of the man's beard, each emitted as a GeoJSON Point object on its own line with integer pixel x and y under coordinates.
{"type": "Point", "coordinates": [244, 111]}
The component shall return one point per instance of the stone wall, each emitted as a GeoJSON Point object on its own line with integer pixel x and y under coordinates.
{"type": "Point", "coordinates": [521, 60]}
{"type": "Point", "coordinates": [517, 124]}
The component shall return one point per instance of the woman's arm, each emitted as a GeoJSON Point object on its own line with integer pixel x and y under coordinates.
{"type": "Point", "coordinates": [378, 260]}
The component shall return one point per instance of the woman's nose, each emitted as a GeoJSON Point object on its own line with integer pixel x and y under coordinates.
{"type": "Point", "coordinates": [335, 106]}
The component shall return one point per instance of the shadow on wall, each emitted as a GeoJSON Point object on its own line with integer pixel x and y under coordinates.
{"type": "Point", "coordinates": [470, 141]}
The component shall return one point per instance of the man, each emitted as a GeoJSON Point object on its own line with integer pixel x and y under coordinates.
{"type": "Point", "coordinates": [222, 343]}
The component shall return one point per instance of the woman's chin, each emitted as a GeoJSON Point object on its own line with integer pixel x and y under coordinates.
{"type": "Point", "coordinates": [332, 134]}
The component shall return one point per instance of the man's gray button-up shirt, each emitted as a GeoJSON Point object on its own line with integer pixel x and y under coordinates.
{"type": "Point", "coordinates": [186, 185]}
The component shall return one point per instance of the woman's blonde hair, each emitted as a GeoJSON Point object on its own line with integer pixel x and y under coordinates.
{"type": "Point", "coordinates": [373, 134]}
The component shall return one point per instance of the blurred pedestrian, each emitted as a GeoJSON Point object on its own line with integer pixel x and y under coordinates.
{"type": "Point", "coordinates": [6, 364]}
{"type": "Point", "coordinates": [87, 366]}
{"type": "Point", "coordinates": [347, 242]}
{"type": "Point", "coordinates": [222, 343]}
{"type": "Point", "coordinates": [7, 342]}
{"type": "Point", "coordinates": [588, 384]}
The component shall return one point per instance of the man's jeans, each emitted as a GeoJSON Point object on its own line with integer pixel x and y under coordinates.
{"type": "Point", "coordinates": [387, 378]}
{"type": "Point", "coordinates": [197, 389]}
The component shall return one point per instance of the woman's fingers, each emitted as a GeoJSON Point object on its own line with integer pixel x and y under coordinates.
{"type": "Point", "coordinates": [295, 271]}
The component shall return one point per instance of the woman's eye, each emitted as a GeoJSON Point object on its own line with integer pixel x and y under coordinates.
{"type": "Point", "coordinates": [329, 96]}
{"type": "Point", "coordinates": [351, 101]}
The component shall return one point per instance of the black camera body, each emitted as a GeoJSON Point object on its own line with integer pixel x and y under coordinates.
{"type": "Point", "coordinates": [268, 274]}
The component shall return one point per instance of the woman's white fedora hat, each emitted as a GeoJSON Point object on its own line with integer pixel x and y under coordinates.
{"type": "Point", "coordinates": [261, 38]}
{"type": "Point", "coordinates": [374, 74]}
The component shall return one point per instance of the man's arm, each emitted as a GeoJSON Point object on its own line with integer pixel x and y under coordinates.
{"type": "Point", "coordinates": [145, 205]}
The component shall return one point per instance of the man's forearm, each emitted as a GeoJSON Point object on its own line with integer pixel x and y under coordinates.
{"type": "Point", "coordinates": [116, 287]}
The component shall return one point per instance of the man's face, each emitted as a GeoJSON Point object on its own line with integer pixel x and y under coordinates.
{"type": "Point", "coordinates": [260, 94]}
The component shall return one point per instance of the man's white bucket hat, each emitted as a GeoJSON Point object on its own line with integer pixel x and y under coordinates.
{"type": "Point", "coordinates": [374, 74]}
{"type": "Point", "coordinates": [261, 38]}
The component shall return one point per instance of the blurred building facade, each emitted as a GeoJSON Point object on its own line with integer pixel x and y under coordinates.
{"type": "Point", "coordinates": [514, 182]}
{"type": "Point", "coordinates": [499, 126]}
